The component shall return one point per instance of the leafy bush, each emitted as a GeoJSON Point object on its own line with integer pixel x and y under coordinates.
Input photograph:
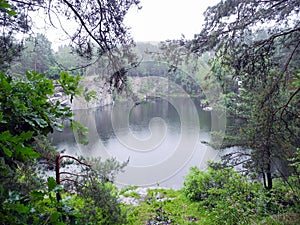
{"type": "Point", "coordinates": [26, 118]}
{"type": "Point", "coordinates": [98, 204]}
{"type": "Point", "coordinates": [294, 179]}
{"type": "Point", "coordinates": [41, 207]}
{"type": "Point", "coordinates": [229, 196]}
{"type": "Point", "coordinates": [165, 206]}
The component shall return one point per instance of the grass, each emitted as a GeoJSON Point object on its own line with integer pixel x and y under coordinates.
{"type": "Point", "coordinates": [165, 206]}
{"type": "Point", "coordinates": [168, 206]}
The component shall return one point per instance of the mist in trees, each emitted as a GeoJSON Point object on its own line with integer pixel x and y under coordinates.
{"type": "Point", "coordinates": [256, 43]}
{"type": "Point", "coordinates": [250, 47]}
{"type": "Point", "coordinates": [27, 117]}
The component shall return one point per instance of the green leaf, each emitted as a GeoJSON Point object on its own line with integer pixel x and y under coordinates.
{"type": "Point", "coordinates": [54, 217]}
{"type": "Point", "coordinates": [37, 195]}
{"type": "Point", "coordinates": [70, 84]}
{"type": "Point", "coordinates": [24, 153]}
{"type": "Point", "coordinates": [81, 131]}
{"type": "Point", "coordinates": [89, 95]}
{"type": "Point", "coordinates": [296, 83]}
{"type": "Point", "coordinates": [12, 13]}
{"type": "Point", "coordinates": [51, 183]}
{"type": "Point", "coordinates": [60, 223]}
{"type": "Point", "coordinates": [41, 122]}
{"type": "Point", "coordinates": [4, 136]}
{"type": "Point", "coordinates": [20, 208]}
{"type": "Point", "coordinates": [26, 135]}
{"type": "Point", "coordinates": [5, 5]}
{"type": "Point", "coordinates": [6, 151]}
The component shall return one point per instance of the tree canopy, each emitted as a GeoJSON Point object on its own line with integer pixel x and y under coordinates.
{"type": "Point", "coordinates": [252, 47]}
{"type": "Point", "coordinates": [95, 22]}
{"type": "Point", "coordinates": [28, 116]}
{"type": "Point", "coordinates": [258, 42]}
{"type": "Point", "coordinates": [255, 43]}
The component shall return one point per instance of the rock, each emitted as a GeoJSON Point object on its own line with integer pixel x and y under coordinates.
{"type": "Point", "coordinates": [103, 95]}
{"type": "Point", "coordinates": [143, 195]}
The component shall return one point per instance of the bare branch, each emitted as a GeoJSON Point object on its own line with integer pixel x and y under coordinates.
{"type": "Point", "coordinates": [288, 102]}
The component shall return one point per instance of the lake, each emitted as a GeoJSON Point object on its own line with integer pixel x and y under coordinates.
{"type": "Point", "coordinates": [161, 137]}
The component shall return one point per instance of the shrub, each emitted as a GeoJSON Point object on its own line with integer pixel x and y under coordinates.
{"type": "Point", "coordinates": [228, 195]}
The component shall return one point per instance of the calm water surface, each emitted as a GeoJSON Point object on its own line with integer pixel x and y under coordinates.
{"type": "Point", "coordinates": [162, 139]}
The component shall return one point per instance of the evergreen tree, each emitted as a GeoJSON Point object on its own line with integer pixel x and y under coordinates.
{"type": "Point", "coordinates": [36, 55]}
{"type": "Point", "coordinates": [255, 43]}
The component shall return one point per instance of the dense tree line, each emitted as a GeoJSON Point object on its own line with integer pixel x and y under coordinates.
{"type": "Point", "coordinates": [256, 43]}
{"type": "Point", "coordinates": [37, 54]}
{"type": "Point", "coordinates": [27, 117]}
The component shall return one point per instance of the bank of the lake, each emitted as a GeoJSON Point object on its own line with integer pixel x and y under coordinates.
{"type": "Point", "coordinates": [156, 205]}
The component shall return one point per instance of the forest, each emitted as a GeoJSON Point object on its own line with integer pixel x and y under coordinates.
{"type": "Point", "coordinates": [244, 63]}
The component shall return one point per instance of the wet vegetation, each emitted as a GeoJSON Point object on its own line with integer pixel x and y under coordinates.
{"type": "Point", "coordinates": [249, 48]}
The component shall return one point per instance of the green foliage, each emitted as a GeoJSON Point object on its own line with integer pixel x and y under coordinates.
{"type": "Point", "coordinates": [4, 5]}
{"type": "Point", "coordinates": [100, 195]}
{"type": "Point", "coordinates": [231, 198]}
{"type": "Point", "coordinates": [26, 112]}
{"type": "Point", "coordinates": [256, 63]}
{"type": "Point", "coordinates": [213, 184]}
{"type": "Point", "coordinates": [89, 95]}
{"type": "Point", "coordinates": [27, 117]}
{"type": "Point", "coordinates": [127, 188]}
{"type": "Point", "coordinates": [95, 202]}
{"type": "Point", "coordinates": [295, 161]}
{"type": "Point", "coordinates": [80, 130]}
{"type": "Point", "coordinates": [70, 84]}
{"type": "Point", "coordinates": [89, 14]}
{"type": "Point", "coordinates": [66, 60]}
{"type": "Point", "coordinates": [41, 207]}
{"type": "Point", "coordinates": [132, 194]}
{"type": "Point", "coordinates": [294, 178]}
{"type": "Point", "coordinates": [100, 204]}
{"type": "Point", "coordinates": [108, 169]}
{"type": "Point", "coordinates": [25, 104]}
{"type": "Point", "coordinates": [166, 206]}
{"type": "Point", "coordinates": [36, 55]}
{"type": "Point", "coordinates": [14, 148]}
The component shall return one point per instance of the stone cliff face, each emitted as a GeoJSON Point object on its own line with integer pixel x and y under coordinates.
{"type": "Point", "coordinates": [104, 97]}
{"type": "Point", "coordinates": [140, 86]}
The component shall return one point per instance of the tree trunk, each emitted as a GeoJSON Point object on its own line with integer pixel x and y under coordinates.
{"type": "Point", "coordinates": [57, 173]}
{"type": "Point", "coordinates": [269, 185]}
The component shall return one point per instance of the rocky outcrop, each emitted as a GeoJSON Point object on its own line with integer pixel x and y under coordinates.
{"type": "Point", "coordinates": [139, 195]}
{"type": "Point", "coordinates": [103, 96]}
{"type": "Point", "coordinates": [60, 96]}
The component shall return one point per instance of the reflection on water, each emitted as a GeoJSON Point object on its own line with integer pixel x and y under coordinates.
{"type": "Point", "coordinates": [161, 139]}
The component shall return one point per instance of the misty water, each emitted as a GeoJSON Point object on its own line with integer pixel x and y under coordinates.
{"type": "Point", "coordinates": [162, 139]}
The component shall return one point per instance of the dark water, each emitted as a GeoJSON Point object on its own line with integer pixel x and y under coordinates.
{"type": "Point", "coordinates": [161, 138]}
